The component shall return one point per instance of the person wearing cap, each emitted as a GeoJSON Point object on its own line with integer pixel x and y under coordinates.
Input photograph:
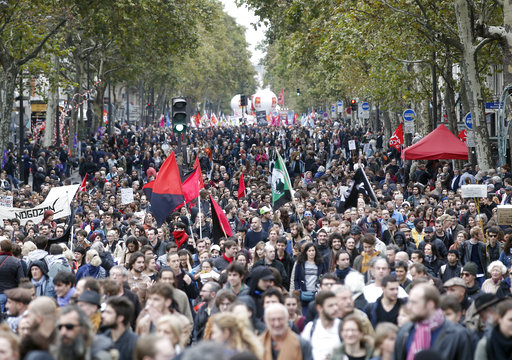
{"type": "Point", "coordinates": [355, 233]}
{"type": "Point", "coordinates": [452, 268]}
{"type": "Point", "coordinates": [457, 287]}
{"type": "Point", "coordinates": [468, 273]}
{"type": "Point", "coordinates": [17, 303]}
{"type": "Point", "coordinates": [258, 280]}
{"type": "Point", "coordinates": [466, 175]}
{"type": "Point", "coordinates": [428, 238]}
{"type": "Point", "coordinates": [498, 345]}
{"type": "Point", "coordinates": [90, 303]}
{"type": "Point", "coordinates": [266, 218]}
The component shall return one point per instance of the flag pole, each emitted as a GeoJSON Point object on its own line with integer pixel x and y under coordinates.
{"type": "Point", "coordinates": [189, 218]}
{"type": "Point", "coordinates": [287, 179]}
{"type": "Point", "coordinates": [200, 218]}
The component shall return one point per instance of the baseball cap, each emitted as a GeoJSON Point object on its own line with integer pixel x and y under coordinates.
{"type": "Point", "coordinates": [355, 229]}
{"type": "Point", "coordinates": [91, 297]}
{"type": "Point", "coordinates": [455, 281]}
{"type": "Point", "coordinates": [19, 295]}
{"type": "Point", "coordinates": [264, 210]}
{"type": "Point", "coordinates": [215, 247]}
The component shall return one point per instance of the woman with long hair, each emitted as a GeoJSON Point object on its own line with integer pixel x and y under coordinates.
{"type": "Point", "coordinates": [292, 303]}
{"type": "Point", "coordinates": [308, 268]}
{"type": "Point", "coordinates": [432, 262]}
{"type": "Point", "coordinates": [235, 334]}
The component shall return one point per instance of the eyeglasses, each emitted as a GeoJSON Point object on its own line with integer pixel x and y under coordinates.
{"type": "Point", "coordinates": [67, 326]}
{"type": "Point", "coordinates": [465, 274]}
{"type": "Point", "coordinates": [493, 236]}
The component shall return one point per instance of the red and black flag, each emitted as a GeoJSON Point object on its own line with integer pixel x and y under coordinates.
{"type": "Point", "coordinates": [220, 223]}
{"type": "Point", "coordinates": [167, 193]}
{"type": "Point", "coordinates": [148, 189]}
{"type": "Point", "coordinates": [192, 185]}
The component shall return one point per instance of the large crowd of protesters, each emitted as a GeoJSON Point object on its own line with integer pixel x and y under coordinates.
{"type": "Point", "coordinates": [418, 272]}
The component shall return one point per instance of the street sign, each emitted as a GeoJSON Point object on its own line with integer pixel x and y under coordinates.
{"type": "Point", "coordinates": [333, 109]}
{"type": "Point", "coordinates": [409, 115]}
{"type": "Point", "coordinates": [339, 104]}
{"type": "Point", "coordinates": [365, 106]}
{"type": "Point", "coordinates": [493, 105]}
{"type": "Point", "coordinates": [409, 127]}
{"type": "Point", "coordinates": [468, 121]}
{"type": "Point", "coordinates": [470, 139]}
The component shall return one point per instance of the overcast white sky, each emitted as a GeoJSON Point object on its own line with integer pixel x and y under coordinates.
{"type": "Point", "coordinates": [246, 17]}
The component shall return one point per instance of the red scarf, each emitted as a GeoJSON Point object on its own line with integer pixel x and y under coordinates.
{"type": "Point", "coordinates": [180, 236]}
{"type": "Point", "coordinates": [5, 253]}
{"type": "Point", "coordinates": [229, 260]}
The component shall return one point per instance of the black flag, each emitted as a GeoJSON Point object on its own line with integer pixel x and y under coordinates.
{"type": "Point", "coordinates": [361, 186]}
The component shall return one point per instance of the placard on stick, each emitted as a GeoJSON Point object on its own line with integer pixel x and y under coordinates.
{"type": "Point", "coordinates": [474, 191]}
{"type": "Point", "coordinates": [126, 196]}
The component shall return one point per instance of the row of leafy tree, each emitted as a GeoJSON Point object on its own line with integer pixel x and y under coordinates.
{"type": "Point", "coordinates": [386, 52]}
{"type": "Point", "coordinates": [168, 47]}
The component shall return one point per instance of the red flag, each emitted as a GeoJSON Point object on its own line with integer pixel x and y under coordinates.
{"type": "Point", "coordinates": [398, 138]}
{"type": "Point", "coordinates": [280, 101]}
{"type": "Point", "coordinates": [197, 165]}
{"type": "Point", "coordinates": [167, 192]}
{"type": "Point", "coordinates": [83, 186]}
{"type": "Point", "coordinates": [241, 186]}
{"type": "Point", "coordinates": [220, 223]}
{"type": "Point", "coordinates": [191, 185]}
{"type": "Point", "coordinates": [463, 136]}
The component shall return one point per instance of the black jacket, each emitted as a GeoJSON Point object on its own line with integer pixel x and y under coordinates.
{"type": "Point", "coordinates": [11, 272]}
{"type": "Point", "coordinates": [451, 343]}
{"type": "Point", "coordinates": [465, 253]}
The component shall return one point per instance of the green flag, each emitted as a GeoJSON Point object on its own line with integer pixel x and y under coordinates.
{"type": "Point", "coordinates": [281, 186]}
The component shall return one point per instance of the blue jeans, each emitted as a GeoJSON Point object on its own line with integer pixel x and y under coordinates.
{"type": "Point", "coordinates": [3, 300]}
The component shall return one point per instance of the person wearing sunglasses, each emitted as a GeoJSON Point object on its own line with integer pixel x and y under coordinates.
{"type": "Point", "coordinates": [76, 339]}
{"type": "Point", "coordinates": [494, 246]}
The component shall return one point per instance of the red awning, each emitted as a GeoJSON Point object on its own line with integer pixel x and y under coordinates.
{"type": "Point", "coordinates": [439, 144]}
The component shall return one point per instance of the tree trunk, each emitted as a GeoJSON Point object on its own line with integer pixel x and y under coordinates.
{"type": "Point", "coordinates": [449, 97]}
{"type": "Point", "coordinates": [98, 106]}
{"type": "Point", "coordinates": [52, 109]}
{"type": "Point", "coordinates": [9, 78]}
{"type": "Point", "coordinates": [473, 85]}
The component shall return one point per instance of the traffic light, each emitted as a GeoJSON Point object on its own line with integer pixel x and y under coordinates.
{"type": "Point", "coordinates": [179, 114]}
{"type": "Point", "coordinates": [298, 92]}
{"type": "Point", "coordinates": [243, 100]}
{"type": "Point", "coordinates": [353, 104]}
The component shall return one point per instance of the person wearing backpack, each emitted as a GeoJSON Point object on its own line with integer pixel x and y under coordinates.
{"type": "Point", "coordinates": [323, 332]}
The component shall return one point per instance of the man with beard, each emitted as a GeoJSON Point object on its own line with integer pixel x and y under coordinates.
{"type": "Point", "coordinates": [335, 243]}
{"type": "Point", "coordinates": [116, 319]}
{"type": "Point", "coordinates": [429, 329]}
{"type": "Point", "coordinates": [138, 282]}
{"type": "Point", "coordinates": [42, 315]}
{"type": "Point", "coordinates": [76, 340]}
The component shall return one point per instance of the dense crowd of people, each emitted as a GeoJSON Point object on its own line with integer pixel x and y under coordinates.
{"type": "Point", "coordinates": [414, 272]}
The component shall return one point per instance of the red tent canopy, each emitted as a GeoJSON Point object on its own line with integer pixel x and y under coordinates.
{"type": "Point", "coordinates": [439, 144]}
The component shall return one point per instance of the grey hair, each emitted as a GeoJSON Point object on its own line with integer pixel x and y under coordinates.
{"type": "Point", "coordinates": [499, 265]}
{"type": "Point", "coordinates": [206, 351]}
{"type": "Point", "coordinates": [83, 320]}
{"type": "Point", "coordinates": [276, 306]}
{"type": "Point", "coordinates": [121, 268]}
